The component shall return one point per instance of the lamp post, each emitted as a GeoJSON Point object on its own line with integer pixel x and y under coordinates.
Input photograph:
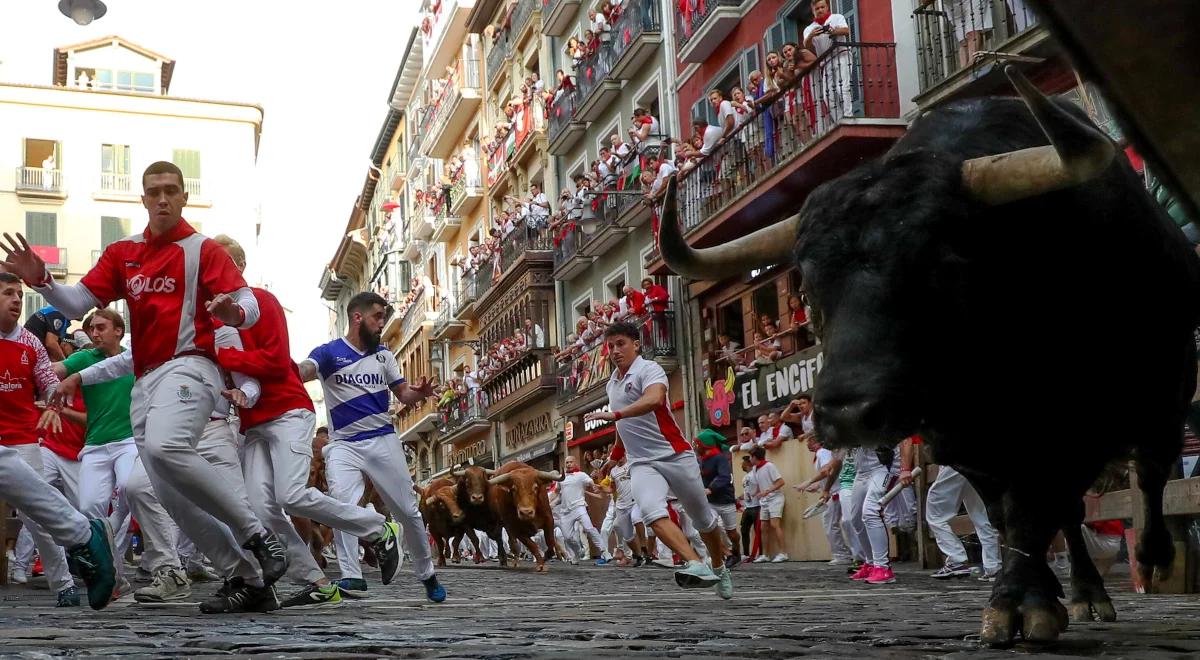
{"type": "Point", "coordinates": [83, 12]}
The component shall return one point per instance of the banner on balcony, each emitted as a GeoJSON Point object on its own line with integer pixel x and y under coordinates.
{"type": "Point", "coordinates": [774, 385]}
{"type": "Point", "coordinates": [591, 368]}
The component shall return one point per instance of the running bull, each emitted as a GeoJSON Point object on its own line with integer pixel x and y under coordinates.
{"type": "Point", "coordinates": [995, 280]}
{"type": "Point", "coordinates": [518, 499]}
{"type": "Point", "coordinates": [445, 519]}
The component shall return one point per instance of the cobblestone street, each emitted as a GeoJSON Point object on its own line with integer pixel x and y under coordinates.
{"type": "Point", "coordinates": [778, 611]}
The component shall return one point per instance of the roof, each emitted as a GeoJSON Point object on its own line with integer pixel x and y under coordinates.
{"type": "Point", "coordinates": [60, 57]}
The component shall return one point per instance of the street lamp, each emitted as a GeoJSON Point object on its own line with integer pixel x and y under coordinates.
{"type": "Point", "coordinates": [82, 12]}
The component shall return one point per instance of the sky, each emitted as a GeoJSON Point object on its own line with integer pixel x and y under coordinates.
{"type": "Point", "coordinates": [322, 77]}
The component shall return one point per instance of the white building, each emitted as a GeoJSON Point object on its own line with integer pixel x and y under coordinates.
{"type": "Point", "coordinates": [72, 152]}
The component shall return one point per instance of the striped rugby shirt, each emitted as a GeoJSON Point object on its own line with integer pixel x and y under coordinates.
{"type": "Point", "coordinates": [357, 389]}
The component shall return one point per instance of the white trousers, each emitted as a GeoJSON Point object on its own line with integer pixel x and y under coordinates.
{"type": "Point", "coordinates": [159, 532]}
{"type": "Point", "coordinates": [579, 514]}
{"type": "Point", "coordinates": [626, 523]}
{"type": "Point", "coordinates": [941, 505]}
{"type": "Point", "coordinates": [680, 474]}
{"type": "Point", "coordinates": [869, 487]}
{"type": "Point", "coordinates": [277, 457]}
{"type": "Point", "coordinates": [62, 473]}
{"type": "Point", "coordinates": [52, 521]}
{"type": "Point", "coordinates": [382, 460]}
{"type": "Point", "coordinates": [217, 448]}
{"type": "Point", "coordinates": [836, 97]}
{"type": "Point", "coordinates": [103, 472]}
{"type": "Point", "coordinates": [171, 408]}
{"type": "Point", "coordinates": [831, 520]}
{"type": "Point", "coordinates": [852, 523]}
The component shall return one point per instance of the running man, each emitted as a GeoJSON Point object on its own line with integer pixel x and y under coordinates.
{"type": "Point", "coordinates": [25, 371]}
{"type": "Point", "coordinates": [573, 491]}
{"type": "Point", "coordinates": [357, 372]}
{"type": "Point", "coordinates": [175, 282]}
{"type": "Point", "coordinates": [628, 521]}
{"type": "Point", "coordinates": [660, 459]}
{"type": "Point", "coordinates": [278, 451]}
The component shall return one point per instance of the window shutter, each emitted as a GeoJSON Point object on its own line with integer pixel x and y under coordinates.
{"type": "Point", "coordinates": [112, 229]}
{"type": "Point", "coordinates": [41, 228]}
{"type": "Point", "coordinates": [188, 161]}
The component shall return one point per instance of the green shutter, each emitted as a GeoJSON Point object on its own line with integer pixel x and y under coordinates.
{"type": "Point", "coordinates": [41, 228]}
{"type": "Point", "coordinates": [188, 161]}
{"type": "Point", "coordinates": [112, 230]}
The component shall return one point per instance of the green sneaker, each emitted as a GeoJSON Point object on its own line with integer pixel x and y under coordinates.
{"type": "Point", "coordinates": [387, 550]}
{"type": "Point", "coordinates": [315, 596]}
{"type": "Point", "coordinates": [696, 575]}
{"type": "Point", "coordinates": [93, 562]}
{"type": "Point", "coordinates": [725, 586]}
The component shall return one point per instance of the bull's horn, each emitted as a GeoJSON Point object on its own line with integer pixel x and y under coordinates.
{"type": "Point", "coordinates": [502, 479]}
{"type": "Point", "coordinates": [552, 475]}
{"type": "Point", "coordinates": [766, 247]}
{"type": "Point", "coordinates": [488, 472]}
{"type": "Point", "coordinates": [458, 473]}
{"type": "Point", "coordinates": [1077, 153]}
{"type": "Point", "coordinates": [430, 501]}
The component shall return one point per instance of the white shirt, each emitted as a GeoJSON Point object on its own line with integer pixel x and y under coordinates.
{"type": "Point", "coordinates": [571, 489]}
{"type": "Point", "coordinates": [711, 135]}
{"type": "Point", "coordinates": [726, 110]}
{"type": "Point", "coordinates": [749, 489]}
{"type": "Point", "coordinates": [765, 437]}
{"type": "Point", "coordinates": [822, 42]}
{"type": "Point", "coordinates": [540, 206]}
{"type": "Point", "coordinates": [785, 433]}
{"type": "Point", "coordinates": [664, 172]}
{"type": "Point", "coordinates": [623, 486]}
{"type": "Point", "coordinates": [806, 423]}
{"type": "Point", "coordinates": [765, 478]}
{"type": "Point", "coordinates": [537, 335]}
{"type": "Point", "coordinates": [655, 435]}
{"type": "Point", "coordinates": [824, 456]}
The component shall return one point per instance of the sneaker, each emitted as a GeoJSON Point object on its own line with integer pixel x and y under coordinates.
{"type": "Point", "coordinates": [202, 573]}
{"type": "Point", "coordinates": [837, 561]}
{"type": "Point", "coordinates": [854, 567]}
{"type": "Point", "coordinates": [988, 576]}
{"type": "Point", "coordinates": [881, 575]}
{"type": "Point", "coordinates": [68, 597]}
{"type": "Point", "coordinates": [18, 575]}
{"type": "Point", "coordinates": [169, 584]}
{"type": "Point", "coordinates": [725, 586]}
{"type": "Point", "coordinates": [93, 562]}
{"type": "Point", "coordinates": [862, 573]}
{"type": "Point", "coordinates": [315, 595]}
{"type": "Point", "coordinates": [732, 560]}
{"type": "Point", "coordinates": [328, 553]}
{"type": "Point", "coordinates": [122, 589]}
{"type": "Point", "coordinates": [353, 587]}
{"type": "Point", "coordinates": [36, 570]}
{"type": "Point", "coordinates": [780, 558]}
{"type": "Point", "coordinates": [433, 590]}
{"type": "Point", "coordinates": [951, 569]}
{"type": "Point", "coordinates": [271, 556]}
{"type": "Point", "coordinates": [639, 561]}
{"type": "Point", "coordinates": [142, 575]}
{"type": "Point", "coordinates": [237, 596]}
{"type": "Point", "coordinates": [387, 551]}
{"type": "Point", "coordinates": [761, 559]}
{"type": "Point", "coordinates": [696, 575]}
{"type": "Point", "coordinates": [601, 561]}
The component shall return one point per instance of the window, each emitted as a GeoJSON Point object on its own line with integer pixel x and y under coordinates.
{"type": "Point", "coordinates": [41, 228]}
{"type": "Point", "coordinates": [143, 82]}
{"type": "Point", "coordinates": [730, 321]}
{"type": "Point", "coordinates": [124, 81]}
{"type": "Point", "coordinates": [42, 153]}
{"type": "Point", "coordinates": [766, 302]}
{"type": "Point", "coordinates": [188, 161]}
{"type": "Point", "coordinates": [114, 158]}
{"type": "Point", "coordinates": [32, 303]}
{"type": "Point", "coordinates": [113, 229]}
{"type": "Point", "coordinates": [736, 73]}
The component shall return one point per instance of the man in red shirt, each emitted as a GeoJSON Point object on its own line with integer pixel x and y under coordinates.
{"type": "Point", "coordinates": [278, 450]}
{"type": "Point", "coordinates": [175, 282]}
{"type": "Point", "coordinates": [657, 298]}
{"type": "Point", "coordinates": [24, 373]}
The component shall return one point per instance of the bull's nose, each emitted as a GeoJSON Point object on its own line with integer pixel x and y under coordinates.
{"type": "Point", "coordinates": [476, 499]}
{"type": "Point", "coordinates": [854, 421]}
{"type": "Point", "coordinates": [525, 513]}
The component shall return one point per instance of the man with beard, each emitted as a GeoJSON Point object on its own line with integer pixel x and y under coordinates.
{"type": "Point", "coordinates": [356, 375]}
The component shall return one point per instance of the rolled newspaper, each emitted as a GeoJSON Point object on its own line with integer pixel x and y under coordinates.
{"type": "Point", "coordinates": [897, 488]}
{"type": "Point", "coordinates": [815, 509]}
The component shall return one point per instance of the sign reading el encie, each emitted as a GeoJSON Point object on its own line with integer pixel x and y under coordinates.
{"type": "Point", "coordinates": [774, 385]}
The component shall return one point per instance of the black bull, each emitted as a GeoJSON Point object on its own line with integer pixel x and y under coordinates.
{"type": "Point", "coordinates": [971, 286]}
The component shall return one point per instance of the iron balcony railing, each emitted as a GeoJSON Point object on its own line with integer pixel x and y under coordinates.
{"type": "Point", "coordinates": [658, 342]}
{"type": "Point", "coordinates": [466, 76]}
{"type": "Point", "coordinates": [497, 56]}
{"type": "Point", "coordinates": [950, 33]}
{"type": "Point", "coordinates": [593, 71]}
{"type": "Point", "coordinates": [521, 241]}
{"type": "Point", "coordinates": [414, 316]}
{"type": "Point", "coordinates": [192, 186]}
{"type": "Point", "coordinates": [567, 245]}
{"type": "Point", "coordinates": [462, 410]}
{"type": "Point", "coordinates": [522, 13]}
{"type": "Point", "coordinates": [851, 80]}
{"type": "Point", "coordinates": [562, 113]}
{"type": "Point", "coordinates": [118, 183]}
{"type": "Point", "coordinates": [637, 17]}
{"type": "Point", "coordinates": [689, 23]}
{"type": "Point", "coordinates": [465, 293]}
{"type": "Point", "coordinates": [36, 178]}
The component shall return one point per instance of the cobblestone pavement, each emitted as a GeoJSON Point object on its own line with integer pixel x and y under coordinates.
{"type": "Point", "coordinates": [788, 610]}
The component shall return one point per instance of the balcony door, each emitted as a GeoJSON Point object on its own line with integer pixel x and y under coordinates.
{"type": "Point", "coordinates": [114, 167]}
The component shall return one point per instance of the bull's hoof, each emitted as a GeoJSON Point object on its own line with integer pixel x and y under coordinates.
{"type": "Point", "coordinates": [1101, 609]}
{"type": "Point", "coordinates": [999, 627]}
{"type": "Point", "coordinates": [541, 568]}
{"type": "Point", "coordinates": [1041, 623]}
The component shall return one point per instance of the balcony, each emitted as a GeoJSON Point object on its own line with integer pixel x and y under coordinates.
{"type": "Point", "coordinates": [557, 16]}
{"type": "Point", "coordinates": [767, 167]}
{"type": "Point", "coordinates": [420, 227]}
{"type": "Point", "coordinates": [462, 416]}
{"type": "Point", "coordinates": [38, 182]}
{"type": "Point", "coordinates": [467, 192]}
{"type": "Point", "coordinates": [416, 161]}
{"type": "Point", "coordinates": [498, 167]}
{"type": "Point", "coordinates": [526, 380]}
{"type": "Point", "coordinates": [192, 187]}
{"type": "Point", "coordinates": [955, 39]}
{"type": "Point", "coordinates": [445, 226]}
{"type": "Point", "coordinates": [449, 32]}
{"type": "Point", "coordinates": [606, 233]}
{"type": "Point", "coordinates": [565, 129]}
{"type": "Point", "coordinates": [698, 35]}
{"type": "Point", "coordinates": [581, 382]}
{"type": "Point", "coordinates": [453, 110]}
{"type": "Point", "coordinates": [526, 20]}
{"type": "Point", "coordinates": [418, 314]}
{"type": "Point", "coordinates": [395, 173]}
{"type": "Point", "coordinates": [421, 418]}
{"type": "Point", "coordinates": [637, 34]}
{"type": "Point", "coordinates": [531, 135]}
{"type": "Point", "coordinates": [54, 256]}
{"type": "Point", "coordinates": [497, 56]}
{"type": "Point", "coordinates": [447, 325]}
{"type": "Point", "coordinates": [568, 262]}
{"type": "Point", "coordinates": [115, 184]}
{"type": "Point", "coordinates": [597, 89]}
{"type": "Point", "coordinates": [466, 294]}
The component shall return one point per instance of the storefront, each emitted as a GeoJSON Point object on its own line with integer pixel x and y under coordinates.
{"type": "Point", "coordinates": [532, 437]}
{"type": "Point", "coordinates": [476, 450]}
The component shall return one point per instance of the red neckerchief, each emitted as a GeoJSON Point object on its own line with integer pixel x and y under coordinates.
{"type": "Point", "coordinates": [821, 21]}
{"type": "Point", "coordinates": [775, 431]}
{"type": "Point", "coordinates": [711, 451]}
{"type": "Point", "coordinates": [760, 463]}
{"type": "Point", "coordinates": [573, 470]}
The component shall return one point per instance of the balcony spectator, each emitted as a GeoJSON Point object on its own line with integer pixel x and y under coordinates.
{"type": "Point", "coordinates": [746, 440]}
{"type": "Point", "coordinates": [644, 130]}
{"type": "Point", "coordinates": [743, 111]}
{"type": "Point", "coordinates": [764, 320]}
{"type": "Point", "coordinates": [778, 432]}
{"type": "Point", "coordinates": [620, 149]}
{"type": "Point", "coordinates": [633, 302]}
{"type": "Point", "coordinates": [539, 208]}
{"type": "Point", "coordinates": [565, 86]}
{"type": "Point", "coordinates": [470, 164]}
{"type": "Point", "coordinates": [725, 114]}
{"type": "Point", "coordinates": [800, 411]}
{"type": "Point", "coordinates": [833, 75]}
{"type": "Point", "coordinates": [764, 436]}
{"type": "Point", "coordinates": [801, 107]}
{"type": "Point", "coordinates": [600, 26]}
{"type": "Point", "coordinates": [766, 350]}
{"type": "Point", "coordinates": [536, 337]}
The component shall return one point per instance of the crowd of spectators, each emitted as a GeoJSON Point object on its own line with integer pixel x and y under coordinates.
{"type": "Point", "coordinates": [767, 346]}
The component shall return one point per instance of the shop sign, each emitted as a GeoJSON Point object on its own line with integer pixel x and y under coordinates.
{"type": "Point", "coordinates": [532, 428]}
{"type": "Point", "coordinates": [569, 432]}
{"type": "Point", "coordinates": [774, 385]}
{"type": "Point", "coordinates": [591, 425]}
{"type": "Point", "coordinates": [526, 455]}
{"type": "Point", "coordinates": [478, 450]}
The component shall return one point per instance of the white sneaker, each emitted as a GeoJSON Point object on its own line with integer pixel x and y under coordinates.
{"type": "Point", "coordinates": [170, 584]}
{"type": "Point", "coordinates": [780, 558]}
{"type": "Point", "coordinates": [839, 562]}
{"type": "Point", "coordinates": [761, 559]}
{"type": "Point", "coordinates": [17, 575]}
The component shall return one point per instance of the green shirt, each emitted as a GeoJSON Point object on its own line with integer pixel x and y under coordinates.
{"type": "Point", "coordinates": [107, 403]}
{"type": "Point", "coordinates": [846, 476]}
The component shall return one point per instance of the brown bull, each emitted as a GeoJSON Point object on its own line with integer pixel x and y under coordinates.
{"type": "Point", "coordinates": [443, 516]}
{"type": "Point", "coordinates": [519, 501]}
{"type": "Point", "coordinates": [473, 489]}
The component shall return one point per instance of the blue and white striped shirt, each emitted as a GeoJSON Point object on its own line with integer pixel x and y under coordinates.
{"type": "Point", "coordinates": [357, 389]}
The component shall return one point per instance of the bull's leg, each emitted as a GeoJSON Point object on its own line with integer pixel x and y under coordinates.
{"type": "Point", "coordinates": [538, 558]}
{"type": "Point", "coordinates": [1087, 587]}
{"type": "Point", "coordinates": [456, 547]}
{"type": "Point", "coordinates": [498, 539]}
{"type": "Point", "coordinates": [475, 544]}
{"type": "Point", "coordinates": [1025, 596]}
{"type": "Point", "coordinates": [441, 550]}
{"type": "Point", "coordinates": [1154, 547]}
{"type": "Point", "coordinates": [552, 547]}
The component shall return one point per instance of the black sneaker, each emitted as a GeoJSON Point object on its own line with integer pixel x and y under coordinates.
{"type": "Point", "coordinates": [68, 597]}
{"type": "Point", "coordinates": [237, 596]}
{"type": "Point", "coordinates": [353, 587]}
{"type": "Point", "coordinates": [271, 556]}
{"type": "Point", "coordinates": [638, 561]}
{"type": "Point", "coordinates": [854, 567]}
{"type": "Point", "coordinates": [387, 551]}
{"type": "Point", "coordinates": [93, 562]}
{"type": "Point", "coordinates": [315, 596]}
{"type": "Point", "coordinates": [732, 560]}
